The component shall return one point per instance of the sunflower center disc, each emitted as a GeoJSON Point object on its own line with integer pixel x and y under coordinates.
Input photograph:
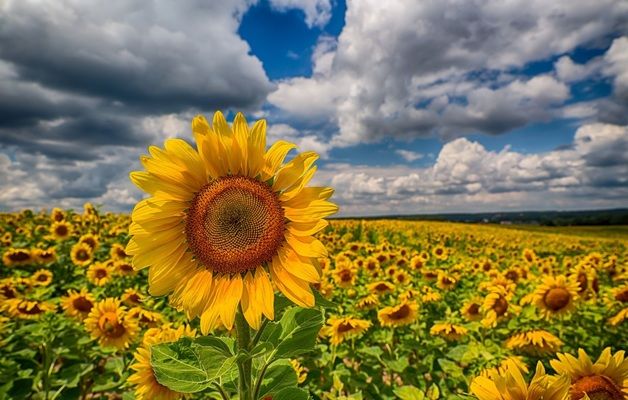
{"type": "Point", "coordinates": [597, 387]}
{"type": "Point", "coordinates": [235, 224]}
{"type": "Point", "coordinates": [557, 298]}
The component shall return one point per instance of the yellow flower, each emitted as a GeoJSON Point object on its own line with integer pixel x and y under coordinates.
{"type": "Point", "coordinates": [534, 342]}
{"type": "Point", "coordinates": [299, 370]}
{"type": "Point", "coordinates": [42, 277]}
{"type": "Point", "coordinates": [445, 282]}
{"type": "Point", "coordinates": [510, 385]}
{"type": "Point", "coordinates": [556, 296]}
{"type": "Point", "coordinates": [108, 322]}
{"type": "Point", "coordinates": [123, 267]}
{"type": "Point", "coordinates": [117, 252]}
{"type": "Point", "coordinates": [27, 309]}
{"type": "Point", "coordinates": [341, 328]}
{"type": "Point", "coordinates": [78, 304]}
{"type": "Point", "coordinates": [497, 306]}
{"type": "Point", "coordinates": [45, 256]}
{"type": "Point", "coordinates": [368, 302]}
{"type": "Point", "coordinates": [16, 257]}
{"type": "Point", "coordinates": [99, 274]}
{"type": "Point", "coordinates": [131, 297]}
{"type": "Point", "coordinates": [344, 275]}
{"type": "Point", "coordinates": [448, 331]}
{"type": "Point", "coordinates": [228, 220]}
{"type": "Point", "coordinates": [145, 317]}
{"type": "Point", "coordinates": [147, 386]}
{"type": "Point", "coordinates": [606, 379]}
{"type": "Point", "coordinates": [402, 314]}
{"type": "Point", "coordinates": [81, 254]}
{"type": "Point", "coordinates": [91, 240]}
{"type": "Point", "coordinates": [57, 215]}
{"type": "Point", "coordinates": [440, 253]}
{"type": "Point", "coordinates": [471, 309]}
{"type": "Point", "coordinates": [381, 287]}
{"type": "Point", "coordinates": [430, 296]}
{"type": "Point", "coordinates": [61, 230]}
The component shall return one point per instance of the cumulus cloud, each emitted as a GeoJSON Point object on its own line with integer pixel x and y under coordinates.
{"type": "Point", "coordinates": [592, 172]}
{"type": "Point", "coordinates": [411, 69]}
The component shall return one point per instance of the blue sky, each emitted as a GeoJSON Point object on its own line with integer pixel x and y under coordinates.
{"type": "Point", "coordinates": [415, 107]}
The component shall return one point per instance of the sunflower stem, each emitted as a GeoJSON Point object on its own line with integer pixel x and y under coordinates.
{"type": "Point", "coordinates": [243, 333]}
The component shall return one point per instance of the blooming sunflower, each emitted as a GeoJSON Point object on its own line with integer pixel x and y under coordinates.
{"type": "Point", "coordinates": [45, 256]}
{"type": "Point", "coordinates": [510, 385]}
{"type": "Point", "coordinates": [344, 275]}
{"type": "Point", "coordinates": [448, 331]}
{"type": "Point", "coordinates": [402, 314]}
{"type": "Point", "coordinates": [123, 267]}
{"type": "Point", "coordinates": [15, 257]}
{"type": "Point", "coordinates": [368, 302]}
{"type": "Point", "coordinates": [27, 309]}
{"type": "Point", "coordinates": [497, 306]}
{"type": "Point", "coordinates": [78, 304]}
{"type": "Point", "coordinates": [132, 297]}
{"type": "Point", "coordinates": [99, 274]}
{"type": "Point", "coordinates": [556, 296]}
{"type": "Point", "coordinates": [57, 215]}
{"type": "Point", "coordinates": [228, 220]}
{"type": "Point", "coordinates": [606, 379]}
{"type": "Point", "coordinates": [445, 281]}
{"type": "Point", "coordinates": [147, 386]}
{"type": "Point", "coordinates": [42, 277]}
{"type": "Point", "coordinates": [117, 252]}
{"type": "Point", "coordinates": [381, 287]}
{"type": "Point", "coordinates": [471, 309]}
{"type": "Point", "coordinates": [145, 317]}
{"type": "Point", "coordinates": [61, 230]}
{"type": "Point", "coordinates": [534, 342]}
{"type": "Point", "coordinates": [340, 328]}
{"type": "Point", "coordinates": [91, 240]}
{"type": "Point", "coordinates": [108, 322]}
{"type": "Point", "coordinates": [81, 254]}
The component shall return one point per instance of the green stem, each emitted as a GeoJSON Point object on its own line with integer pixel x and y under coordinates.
{"type": "Point", "coordinates": [244, 341]}
{"type": "Point", "coordinates": [258, 335]}
{"type": "Point", "coordinates": [258, 384]}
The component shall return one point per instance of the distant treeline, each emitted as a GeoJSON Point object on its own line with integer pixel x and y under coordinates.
{"type": "Point", "coordinates": [545, 218]}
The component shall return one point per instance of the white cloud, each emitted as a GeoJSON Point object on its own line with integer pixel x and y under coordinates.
{"type": "Point", "coordinates": [305, 141]}
{"type": "Point", "coordinates": [467, 177]}
{"type": "Point", "coordinates": [410, 69]}
{"type": "Point", "coordinates": [317, 12]}
{"type": "Point", "coordinates": [409, 155]}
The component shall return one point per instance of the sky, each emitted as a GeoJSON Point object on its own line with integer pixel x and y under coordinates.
{"type": "Point", "coordinates": [415, 107]}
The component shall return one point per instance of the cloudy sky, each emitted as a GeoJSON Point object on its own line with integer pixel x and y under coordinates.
{"type": "Point", "coordinates": [415, 106]}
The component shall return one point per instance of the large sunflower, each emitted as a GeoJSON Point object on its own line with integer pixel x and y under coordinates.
{"type": "Point", "coordinates": [228, 220]}
{"type": "Point", "coordinates": [606, 379]}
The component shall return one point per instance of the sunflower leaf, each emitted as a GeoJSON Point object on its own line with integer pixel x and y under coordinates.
{"type": "Point", "coordinates": [295, 333]}
{"type": "Point", "coordinates": [279, 376]}
{"type": "Point", "coordinates": [291, 393]}
{"type": "Point", "coordinates": [190, 366]}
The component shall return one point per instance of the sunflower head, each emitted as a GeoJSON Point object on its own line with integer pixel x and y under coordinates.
{"type": "Point", "coordinates": [61, 230]}
{"type": "Point", "coordinates": [340, 328]}
{"type": "Point", "coordinates": [556, 296]}
{"type": "Point", "coordinates": [109, 323]}
{"type": "Point", "coordinates": [227, 220]}
{"type": "Point", "coordinates": [78, 304]}
{"type": "Point", "coordinates": [402, 314]}
{"type": "Point", "coordinates": [81, 254]}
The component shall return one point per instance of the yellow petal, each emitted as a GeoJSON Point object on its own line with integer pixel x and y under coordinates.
{"type": "Point", "coordinates": [266, 292]}
{"type": "Point", "coordinates": [315, 210]}
{"type": "Point", "coordinates": [291, 172]}
{"type": "Point", "coordinates": [274, 158]}
{"type": "Point", "coordinates": [306, 246]}
{"type": "Point", "coordinates": [251, 311]}
{"type": "Point", "coordinates": [298, 266]}
{"type": "Point", "coordinates": [306, 228]}
{"type": "Point", "coordinates": [298, 186]}
{"type": "Point", "coordinates": [256, 148]}
{"type": "Point", "coordinates": [293, 288]}
{"type": "Point", "coordinates": [229, 302]}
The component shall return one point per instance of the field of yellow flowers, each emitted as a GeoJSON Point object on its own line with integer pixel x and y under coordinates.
{"type": "Point", "coordinates": [413, 310]}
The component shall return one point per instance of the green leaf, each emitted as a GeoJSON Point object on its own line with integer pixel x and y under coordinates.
{"type": "Point", "coordinates": [322, 301]}
{"type": "Point", "coordinates": [278, 376]}
{"type": "Point", "coordinates": [450, 368]}
{"type": "Point", "coordinates": [397, 365]}
{"type": "Point", "coordinates": [72, 374]}
{"type": "Point", "coordinates": [190, 366]}
{"type": "Point", "coordinates": [291, 394]}
{"type": "Point", "coordinates": [409, 393]}
{"type": "Point", "coordinates": [295, 333]}
{"type": "Point", "coordinates": [433, 393]}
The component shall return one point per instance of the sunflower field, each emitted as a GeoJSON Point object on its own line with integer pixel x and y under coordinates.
{"type": "Point", "coordinates": [411, 310]}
